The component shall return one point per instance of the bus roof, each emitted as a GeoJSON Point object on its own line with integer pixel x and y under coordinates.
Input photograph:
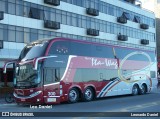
{"type": "Point", "coordinates": [84, 41]}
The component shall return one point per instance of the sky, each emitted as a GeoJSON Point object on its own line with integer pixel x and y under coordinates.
{"type": "Point", "coordinates": [148, 4]}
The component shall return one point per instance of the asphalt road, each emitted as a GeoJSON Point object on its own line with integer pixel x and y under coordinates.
{"type": "Point", "coordinates": [147, 103]}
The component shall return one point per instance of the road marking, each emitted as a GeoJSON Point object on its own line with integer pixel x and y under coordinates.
{"type": "Point", "coordinates": [136, 107]}
{"type": "Point", "coordinates": [6, 104]}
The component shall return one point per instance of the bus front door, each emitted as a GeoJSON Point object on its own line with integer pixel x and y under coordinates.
{"type": "Point", "coordinates": [51, 85]}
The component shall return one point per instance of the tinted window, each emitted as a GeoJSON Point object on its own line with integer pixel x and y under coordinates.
{"type": "Point", "coordinates": [34, 13]}
{"type": "Point", "coordinates": [122, 53]}
{"type": "Point", "coordinates": [33, 51]}
{"type": "Point", "coordinates": [91, 50]}
{"type": "Point", "coordinates": [137, 19]}
{"type": "Point", "coordinates": [58, 61]}
{"type": "Point", "coordinates": [102, 51]}
{"type": "Point", "coordinates": [81, 49]}
{"type": "Point", "coordinates": [126, 15]}
{"type": "Point", "coordinates": [60, 47]}
{"type": "Point", "coordinates": [51, 75]}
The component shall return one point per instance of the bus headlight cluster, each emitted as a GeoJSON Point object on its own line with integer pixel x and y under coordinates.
{"type": "Point", "coordinates": [35, 94]}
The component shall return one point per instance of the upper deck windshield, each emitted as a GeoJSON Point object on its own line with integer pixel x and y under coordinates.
{"type": "Point", "coordinates": [34, 50]}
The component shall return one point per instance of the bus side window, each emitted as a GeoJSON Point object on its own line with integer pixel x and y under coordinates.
{"type": "Point", "coordinates": [57, 75]}
{"type": "Point", "coordinates": [60, 47]}
{"type": "Point", "coordinates": [51, 75]}
{"type": "Point", "coordinates": [47, 76]}
{"type": "Point", "coordinates": [80, 49]}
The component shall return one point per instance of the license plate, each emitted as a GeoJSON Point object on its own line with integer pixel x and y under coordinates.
{"type": "Point", "coordinates": [23, 100]}
{"type": "Point", "coordinates": [51, 99]}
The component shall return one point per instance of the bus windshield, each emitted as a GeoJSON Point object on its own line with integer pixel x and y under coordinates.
{"type": "Point", "coordinates": [33, 50]}
{"type": "Point", "coordinates": [26, 76]}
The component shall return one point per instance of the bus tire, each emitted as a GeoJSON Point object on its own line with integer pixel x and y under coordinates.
{"type": "Point", "coordinates": [135, 90]}
{"type": "Point", "coordinates": [143, 89]}
{"type": "Point", "coordinates": [88, 94]}
{"type": "Point", "coordinates": [73, 95]}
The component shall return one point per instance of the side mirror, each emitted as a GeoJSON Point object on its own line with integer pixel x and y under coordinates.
{"type": "Point", "coordinates": [6, 64]}
{"type": "Point", "coordinates": [36, 60]}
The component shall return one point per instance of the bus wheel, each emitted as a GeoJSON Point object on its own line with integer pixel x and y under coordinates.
{"type": "Point", "coordinates": [73, 95]}
{"type": "Point", "coordinates": [88, 94]}
{"type": "Point", "coordinates": [135, 90]}
{"type": "Point", "coordinates": [143, 89]}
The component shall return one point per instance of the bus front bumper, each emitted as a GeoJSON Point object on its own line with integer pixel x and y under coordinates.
{"type": "Point", "coordinates": [34, 98]}
{"type": "Point", "coordinates": [37, 98]}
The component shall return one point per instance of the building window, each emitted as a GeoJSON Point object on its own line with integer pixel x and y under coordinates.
{"type": "Point", "coordinates": [2, 6]}
{"type": "Point", "coordinates": [19, 35]}
{"type": "Point", "coordinates": [137, 19]}
{"type": "Point", "coordinates": [58, 16]}
{"type": "Point", "coordinates": [12, 33]}
{"type": "Point", "coordinates": [34, 13]}
{"type": "Point", "coordinates": [64, 17]}
{"type": "Point", "coordinates": [126, 15]}
{"type": "Point", "coordinates": [11, 8]}
{"type": "Point", "coordinates": [19, 10]}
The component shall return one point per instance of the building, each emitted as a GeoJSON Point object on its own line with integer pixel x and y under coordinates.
{"type": "Point", "coordinates": [154, 5]}
{"type": "Point", "coordinates": [117, 22]}
{"type": "Point", "coordinates": [157, 13]}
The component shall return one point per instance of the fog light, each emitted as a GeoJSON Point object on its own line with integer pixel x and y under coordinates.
{"type": "Point", "coordinates": [62, 98]}
{"type": "Point", "coordinates": [38, 100]}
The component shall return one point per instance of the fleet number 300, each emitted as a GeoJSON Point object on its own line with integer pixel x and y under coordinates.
{"type": "Point", "coordinates": [51, 93]}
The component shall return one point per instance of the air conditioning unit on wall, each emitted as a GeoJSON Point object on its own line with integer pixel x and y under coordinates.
{"type": "Point", "coordinates": [122, 20]}
{"type": "Point", "coordinates": [144, 26]}
{"type": "Point", "coordinates": [92, 11]}
{"type": "Point", "coordinates": [122, 37]}
{"type": "Point", "coordinates": [93, 32]}
{"type": "Point", "coordinates": [52, 2]}
{"type": "Point", "coordinates": [51, 24]}
{"type": "Point", "coordinates": [144, 41]}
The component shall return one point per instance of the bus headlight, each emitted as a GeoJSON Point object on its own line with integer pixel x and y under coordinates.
{"type": "Point", "coordinates": [35, 94]}
{"type": "Point", "coordinates": [61, 92]}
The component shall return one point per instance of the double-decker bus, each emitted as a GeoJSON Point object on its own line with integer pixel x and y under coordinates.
{"type": "Point", "coordinates": [55, 70]}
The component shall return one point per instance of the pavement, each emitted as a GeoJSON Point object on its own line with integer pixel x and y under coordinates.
{"type": "Point", "coordinates": [2, 100]}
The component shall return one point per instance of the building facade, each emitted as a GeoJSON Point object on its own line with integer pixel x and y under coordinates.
{"type": "Point", "coordinates": [157, 13]}
{"type": "Point", "coordinates": [115, 22]}
{"type": "Point", "coordinates": [154, 5]}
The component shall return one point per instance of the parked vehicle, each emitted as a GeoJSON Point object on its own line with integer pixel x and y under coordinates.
{"type": "Point", "coordinates": [56, 70]}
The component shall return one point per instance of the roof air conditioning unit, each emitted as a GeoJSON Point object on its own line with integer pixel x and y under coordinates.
{"type": "Point", "coordinates": [122, 37]}
{"type": "Point", "coordinates": [93, 32]}
{"type": "Point", "coordinates": [52, 2]}
{"type": "Point", "coordinates": [92, 11]}
{"type": "Point", "coordinates": [51, 24]}
{"type": "Point", "coordinates": [144, 41]}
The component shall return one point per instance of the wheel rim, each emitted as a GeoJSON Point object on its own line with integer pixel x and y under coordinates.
{"type": "Point", "coordinates": [9, 100]}
{"type": "Point", "coordinates": [73, 95]}
{"type": "Point", "coordinates": [135, 90]}
{"type": "Point", "coordinates": [88, 94]}
{"type": "Point", "coordinates": [142, 89]}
